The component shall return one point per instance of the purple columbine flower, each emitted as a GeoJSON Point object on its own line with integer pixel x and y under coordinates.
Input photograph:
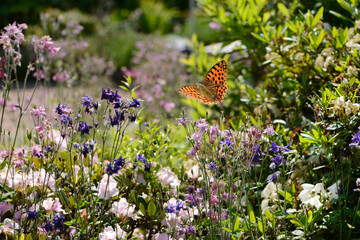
{"type": "Point", "coordinates": [141, 158]}
{"type": "Point", "coordinates": [48, 226]}
{"type": "Point", "coordinates": [110, 95]}
{"type": "Point", "coordinates": [134, 103]}
{"type": "Point", "coordinates": [85, 150]}
{"type": "Point", "coordinates": [147, 166]}
{"type": "Point", "coordinates": [193, 199]}
{"type": "Point", "coordinates": [285, 148]}
{"type": "Point", "coordinates": [58, 221]}
{"type": "Point", "coordinates": [62, 109]}
{"type": "Point", "coordinates": [132, 117]}
{"type": "Point", "coordinates": [84, 128]}
{"type": "Point", "coordinates": [196, 136]}
{"type": "Point", "coordinates": [355, 140]}
{"type": "Point", "coordinates": [278, 159]}
{"type": "Point", "coordinates": [65, 120]}
{"type": "Point", "coordinates": [274, 147]}
{"type": "Point", "coordinates": [272, 166]}
{"type": "Point", "coordinates": [202, 125]}
{"type": "Point", "coordinates": [212, 166]}
{"type": "Point", "coordinates": [273, 178]}
{"type": "Point", "coordinates": [256, 154]}
{"type": "Point", "coordinates": [32, 215]}
{"type": "Point", "coordinates": [190, 230]}
{"type": "Point", "coordinates": [269, 130]}
{"type": "Point", "coordinates": [183, 121]}
{"type": "Point", "coordinates": [87, 101]}
{"type": "Point", "coordinates": [214, 130]}
{"type": "Point", "coordinates": [119, 104]}
{"type": "Point", "coordinates": [227, 143]}
{"type": "Point", "coordinates": [119, 163]}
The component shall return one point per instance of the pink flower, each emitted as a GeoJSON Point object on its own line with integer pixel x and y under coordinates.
{"type": "Point", "coordinates": [214, 26]}
{"type": "Point", "coordinates": [196, 136]}
{"type": "Point", "coordinates": [255, 132]}
{"type": "Point", "coordinates": [38, 112]}
{"type": "Point", "coordinates": [214, 130]}
{"type": "Point", "coordinates": [110, 234]}
{"type": "Point", "coordinates": [45, 45]}
{"type": "Point", "coordinates": [122, 209]}
{"type": "Point", "coordinates": [2, 73]}
{"type": "Point", "coordinates": [110, 185]}
{"type": "Point", "coordinates": [192, 152]}
{"type": "Point", "coordinates": [168, 106]}
{"type": "Point", "coordinates": [61, 77]}
{"type": "Point", "coordinates": [202, 125]}
{"type": "Point", "coordinates": [39, 74]}
{"type": "Point", "coordinates": [270, 130]}
{"type": "Point", "coordinates": [13, 107]}
{"type": "Point", "coordinates": [213, 200]}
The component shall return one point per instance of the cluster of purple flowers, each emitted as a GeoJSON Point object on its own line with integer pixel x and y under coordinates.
{"type": "Point", "coordinates": [355, 141]}
{"type": "Point", "coordinates": [147, 164]}
{"type": "Point", "coordinates": [57, 223]}
{"type": "Point", "coordinates": [118, 165]}
{"type": "Point", "coordinates": [175, 208]}
{"type": "Point", "coordinates": [194, 197]}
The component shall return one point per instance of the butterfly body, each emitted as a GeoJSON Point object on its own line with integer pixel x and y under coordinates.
{"type": "Point", "coordinates": [213, 88]}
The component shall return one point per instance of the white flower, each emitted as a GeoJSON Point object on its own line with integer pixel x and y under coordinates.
{"type": "Point", "coordinates": [268, 190]}
{"type": "Point", "coordinates": [333, 190]}
{"type": "Point", "coordinates": [110, 187]}
{"type": "Point", "coordinates": [110, 234]}
{"type": "Point", "coordinates": [123, 209]}
{"type": "Point", "coordinates": [314, 201]}
{"type": "Point", "coordinates": [167, 177]}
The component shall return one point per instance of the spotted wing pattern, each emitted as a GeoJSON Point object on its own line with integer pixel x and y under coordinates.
{"type": "Point", "coordinates": [214, 81]}
{"type": "Point", "coordinates": [195, 92]}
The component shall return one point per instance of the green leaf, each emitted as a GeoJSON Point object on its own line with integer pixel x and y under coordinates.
{"type": "Point", "coordinates": [297, 223]}
{"type": "Point", "coordinates": [310, 218]}
{"type": "Point", "coordinates": [142, 209]}
{"type": "Point", "coordinates": [320, 38]}
{"type": "Point", "coordinates": [261, 38]}
{"type": "Point", "coordinates": [317, 17]}
{"type": "Point", "coordinates": [260, 226]}
{"type": "Point", "coordinates": [151, 209]}
{"type": "Point", "coordinates": [251, 213]}
{"type": "Point", "coordinates": [283, 9]}
{"type": "Point", "coordinates": [268, 215]}
{"type": "Point", "coordinates": [28, 237]}
{"type": "Point", "coordinates": [346, 6]}
{"type": "Point", "coordinates": [336, 14]}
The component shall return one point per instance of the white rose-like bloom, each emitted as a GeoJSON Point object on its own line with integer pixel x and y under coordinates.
{"type": "Point", "coordinates": [268, 190]}
{"type": "Point", "coordinates": [111, 187]}
{"type": "Point", "coordinates": [167, 177]}
{"type": "Point", "coordinates": [123, 209]}
{"type": "Point", "coordinates": [193, 172]}
{"type": "Point", "coordinates": [314, 201]}
{"type": "Point", "coordinates": [7, 226]}
{"type": "Point", "coordinates": [110, 234]}
{"type": "Point", "coordinates": [333, 190]}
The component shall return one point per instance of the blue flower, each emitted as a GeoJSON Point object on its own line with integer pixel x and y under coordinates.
{"type": "Point", "coordinates": [65, 120]}
{"type": "Point", "coordinates": [135, 103]}
{"type": "Point", "coordinates": [141, 158]}
{"type": "Point", "coordinates": [132, 117]}
{"type": "Point", "coordinates": [111, 96]}
{"type": "Point", "coordinates": [256, 154]}
{"type": "Point", "coordinates": [274, 147]}
{"type": "Point", "coordinates": [171, 209]}
{"type": "Point", "coordinates": [118, 104]}
{"type": "Point", "coordinates": [58, 221]}
{"type": "Point", "coordinates": [87, 101]}
{"type": "Point", "coordinates": [61, 109]}
{"type": "Point", "coordinates": [83, 128]}
{"type": "Point", "coordinates": [278, 159]}
{"type": "Point", "coordinates": [227, 143]}
{"type": "Point", "coordinates": [355, 140]}
{"type": "Point", "coordinates": [48, 226]}
{"type": "Point", "coordinates": [32, 215]}
{"type": "Point", "coordinates": [179, 205]}
{"type": "Point", "coordinates": [183, 121]}
{"type": "Point", "coordinates": [285, 148]}
{"type": "Point", "coordinates": [85, 150]}
{"type": "Point", "coordinates": [273, 178]}
{"type": "Point", "coordinates": [147, 166]}
{"type": "Point", "coordinates": [213, 166]}
{"type": "Point", "coordinates": [119, 163]}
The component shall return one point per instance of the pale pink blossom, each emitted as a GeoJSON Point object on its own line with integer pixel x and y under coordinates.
{"type": "Point", "coordinates": [167, 177]}
{"type": "Point", "coordinates": [38, 112]}
{"type": "Point", "coordinates": [110, 234]}
{"type": "Point", "coordinates": [123, 209]}
{"type": "Point", "coordinates": [110, 187]}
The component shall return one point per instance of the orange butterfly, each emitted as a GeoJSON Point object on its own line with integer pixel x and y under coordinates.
{"type": "Point", "coordinates": [213, 88]}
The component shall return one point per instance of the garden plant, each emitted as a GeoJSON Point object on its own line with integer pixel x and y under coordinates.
{"type": "Point", "coordinates": [268, 147]}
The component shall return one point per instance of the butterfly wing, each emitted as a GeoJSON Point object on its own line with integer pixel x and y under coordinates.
{"type": "Point", "coordinates": [195, 92]}
{"type": "Point", "coordinates": [215, 80]}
